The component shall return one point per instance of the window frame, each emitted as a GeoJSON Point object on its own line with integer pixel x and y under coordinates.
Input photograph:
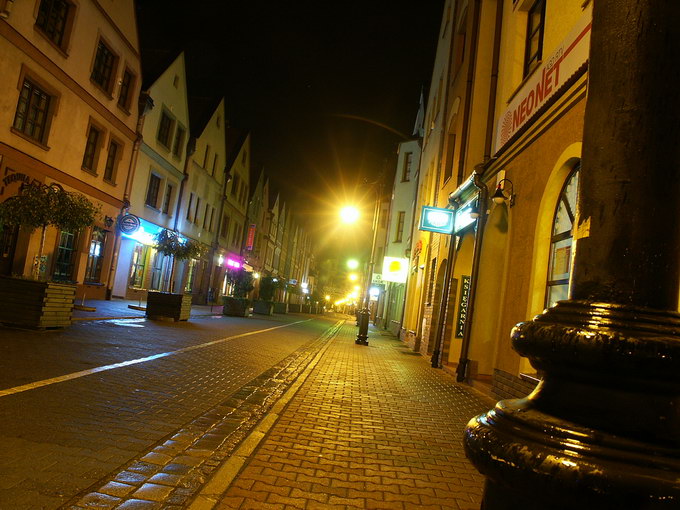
{"type": "Point", "coordinates": [48, 111]}
{"type": "Point", "coordinates": [91, 157]}
{"type": "Point", "coordinates": [167, 199]}
{"type": "Point", "coordinates": [166, 141]}
{"type": "Point", "coordinates": [124, 100]}
{"type": "Point", "coordinates": [96, 73]}
{"type": "Point", "coordinates": [94, 265]}
{"type": "Point", "coordinates": [153, 178]}
{"type": "Point", "coordinates": [399, 232]}
{"type": "Point", "coordinates": [68, 252]}
{"type": "Point", "coordinates": [531, 62]}
{"type": "Point", "coordinates": [110, 177]}
{"type": "Point", "coordinates": [61, 42]}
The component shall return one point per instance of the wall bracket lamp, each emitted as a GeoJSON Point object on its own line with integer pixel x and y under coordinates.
{"type": "Point", "coordinates": [500, 194]}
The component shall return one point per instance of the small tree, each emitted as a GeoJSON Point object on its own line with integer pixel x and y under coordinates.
{"type": "Point", "coordinates": [42, 206]}
{"type": "Point", "coordinates": [168, 242]}
{"type": "Point", "coordinates": [268, 286]}
{"type": "Point", "coordinates": [242, 282]}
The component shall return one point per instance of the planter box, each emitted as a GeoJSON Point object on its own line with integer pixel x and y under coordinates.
{"type": "Point", "coordinates": [263, 307]}
{"type": "Point", "coordinates": [33, 304]}
{"type": "Point", "coordinates": [280, 307]}
{"type": "Point", "coordinates": [164, 305]}
{"type": "Point", "coordinates": [293, 308]}
{"type": "Point", "coordinates": [235, 307]}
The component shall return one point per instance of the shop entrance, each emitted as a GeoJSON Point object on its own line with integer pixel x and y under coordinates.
{"type": "Point", "coordinates": [8, 242]}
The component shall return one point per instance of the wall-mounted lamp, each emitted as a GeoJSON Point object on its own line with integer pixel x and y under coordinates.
{"type": "Point", "coordinates": [500, 196]}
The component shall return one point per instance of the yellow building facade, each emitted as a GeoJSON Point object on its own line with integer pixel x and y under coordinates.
{"type": "Point", "coordinates": [514, 117]}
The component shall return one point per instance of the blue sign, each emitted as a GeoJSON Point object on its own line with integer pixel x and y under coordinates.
{"type": "Point", "coordinates": [436, 219]}
{"type": "Point", "coordinates": [128, 224]}
{"type": "Point", "coordinates": [464, 215]}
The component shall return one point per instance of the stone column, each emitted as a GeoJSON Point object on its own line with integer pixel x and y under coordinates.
{"type": "Point", "coordinates": [602, 430]}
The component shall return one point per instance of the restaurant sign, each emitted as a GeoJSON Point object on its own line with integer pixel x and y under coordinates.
{"type": "Point", "coordinates": [555, 71]}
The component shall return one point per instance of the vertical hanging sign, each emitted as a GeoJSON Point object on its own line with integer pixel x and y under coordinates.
{"type": "Point", "coordinates": [251, 238]}
{"type": "Point", "coordinates": [463, 306]}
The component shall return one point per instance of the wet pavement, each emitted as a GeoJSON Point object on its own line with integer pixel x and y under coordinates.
{"type": "Point", "coordinates": [282, 412]}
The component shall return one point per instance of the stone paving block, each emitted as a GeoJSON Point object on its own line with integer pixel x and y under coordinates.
{"type": "Point", "coordinates": [117, 489]}
{"type": "Point", "coordinates": [152, 492]}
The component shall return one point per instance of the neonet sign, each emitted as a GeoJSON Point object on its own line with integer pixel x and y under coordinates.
{"type": "Point", "coordinates": [569, 56]}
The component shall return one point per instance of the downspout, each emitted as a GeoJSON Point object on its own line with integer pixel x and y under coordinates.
{"type": "Point", "coordinates": [450, 262]}
{"type": "Point", "coordinates": [493, 86]}
{"type": "Point", "coordinates": [144, 105]}
{"type": "Point", "coordinates": [468, 90]}
{"type": "Point", "coordinates": [461, 371]}
{"type": "Point", "coordinates": [191, 148]}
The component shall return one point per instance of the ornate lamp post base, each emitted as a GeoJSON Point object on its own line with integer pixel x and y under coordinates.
{"type": "Point", "coordinates": [586, 439]}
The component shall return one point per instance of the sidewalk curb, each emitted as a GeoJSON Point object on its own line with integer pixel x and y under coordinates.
{"type": "Point", "coordinates": [209, 496]}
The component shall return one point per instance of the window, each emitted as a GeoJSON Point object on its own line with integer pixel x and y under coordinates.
{"type": "Point", "coordinates": [125, 89]}
{"type": "Point", "coordinates": [212, 216]}
{"type": "Point", "coordinates": [235, 185]}
{"type": "Point", "coordinates": [165, 129]}
{"type": "Point", "coordinates": [205, 157]}
{"type": "Point", "coordinates": [53, 16]}
{"type": "Point", "coordinates": [559, 267]}
{"type": "Point", "coordinates": [167, 199]}
{"type": "Point", "coordinates": [179, 141]}
{"type": "Point", "coordinates": [63, 266]}
{"type": "Point", "coordinates": [214, 165]}
{"type": "Point", "coordinates": [152, 191]}
{"type": "Point", "coordinates": [198, 204]}
{"type": "Point", "coordinates": [32, 112]}
{"type": "Point", "coordinates": [191, 199]}
{"type": "Point", "coordinates": [225, 226]}
{"type": "Point", "coordinates": [205, 216]}
{"type": "Point", "coordinates": [102, 70]}
{"type": "Point", "coordinates": [111, 161]}
{"type": "Point", "coordinates": [450, 148]}
{"type": "Point", "coordinates": [95, 255]}
{"type": "Point", "coordinates": [137, 267]}
{"type": "Point", "coordinates": [534, 39]}
{"type": "Point", "coordinates": [400, 226]}
{"type": "Point", "coordinates": [190, 276]}
{"type": "Point", "coordinates": [406, 171]}
{"type": "Point", "coordinates": [91, 149]}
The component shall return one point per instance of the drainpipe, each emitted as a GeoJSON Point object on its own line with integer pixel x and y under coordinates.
{"type": "Point", "coordinates": [467, 110]}
{"type": "Point", "coordinates": [435, 360]}
{"type": "Point", "coordinates": [493, 87]}
{"type": "Point", "coordinates": [461, 371]}
{"type": "Point", "coordinates": [145, 105]}
{"type": "Point", "coordinates": [191, 149]}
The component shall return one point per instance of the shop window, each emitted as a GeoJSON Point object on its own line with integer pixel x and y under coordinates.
{"type": "Point", "coordinates": [559, 268]}
{"type": "Point", "coordinates": [104, 66]}
{"type": "Point", "coordinates": [138, 265]}
{"type": "Point", "coordinates": [32, 112]}
{"type": "Point", "coordinates": [65, 256]}
{"type": "Point", "coordinates": [160, 271]}
{"type": "Point", "coordinates": [53, 20]}
{"type": "Point", "coordinates": [534, 39]}
{"type": "Point", "coordinates": [191, 275]}
{"type": "Point", "coordinates": [95, 256]}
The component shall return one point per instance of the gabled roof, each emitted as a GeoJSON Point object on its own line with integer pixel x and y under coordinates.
{"type": "Point", "coordinates": [235, 138]}
{"type": "Point", "coordinates": [155, 61]}
{"type": "Point", "coordinates": [201, 110]}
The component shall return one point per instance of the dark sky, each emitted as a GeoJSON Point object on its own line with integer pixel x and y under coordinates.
{"type": "Point", "coordinates": [291, 70]}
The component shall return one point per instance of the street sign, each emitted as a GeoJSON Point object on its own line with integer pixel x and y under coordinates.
{"type": "Point", "coordinates": [463, 306]}
{"type": "Point", "coordinates": [437, 219]}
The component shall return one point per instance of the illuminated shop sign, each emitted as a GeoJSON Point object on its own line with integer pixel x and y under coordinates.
{"type": "Point", "coordinates": [144, 233]}
{"type": "Point", "coordinates": [394, 269]}
{"type": "Point", "coordinates": [464, 215]}
{"type": "Point", "coordinates": [564, 62]}
{"type": "Point", "coordinates": [436, 219]}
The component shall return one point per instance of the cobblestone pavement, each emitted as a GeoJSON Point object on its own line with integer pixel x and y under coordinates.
{"type": "Point", "coordinates": [61, 438]}
{"type": "Point", "coordinates": [371, 427]}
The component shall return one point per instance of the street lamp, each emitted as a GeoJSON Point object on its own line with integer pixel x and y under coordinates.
{"type": "Point", "coordinates": [352, 263]}
{"type": "Point", "coordinates": [349, 214]}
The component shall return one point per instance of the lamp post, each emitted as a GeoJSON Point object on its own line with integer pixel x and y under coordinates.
{"type": "Point", "coordinates": [364, 313]}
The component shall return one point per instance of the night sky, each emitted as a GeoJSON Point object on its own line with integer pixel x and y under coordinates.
{"type": "Point", "coordinates": [294, 72]}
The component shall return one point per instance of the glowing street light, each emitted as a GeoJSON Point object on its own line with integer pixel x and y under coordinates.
{"type": "Point", "coordinates": [352, 263]}
{"type": "Point", "coordinates": [353, 277]}
{"type": "Point", "coordinates": [349, 214]}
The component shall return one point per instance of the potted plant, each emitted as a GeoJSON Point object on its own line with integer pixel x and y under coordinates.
{"type": "Point", "coordinates": [264, 304]}
{"type": "Point", "coordinates": [238, 304]}
{"type": "Point", "coordinates": [172, 305]}
{"type": "Point", "coordinates": [34, 302]}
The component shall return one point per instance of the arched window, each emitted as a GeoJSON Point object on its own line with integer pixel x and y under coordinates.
{"type": "Point", "coordinates": [561, 240]}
